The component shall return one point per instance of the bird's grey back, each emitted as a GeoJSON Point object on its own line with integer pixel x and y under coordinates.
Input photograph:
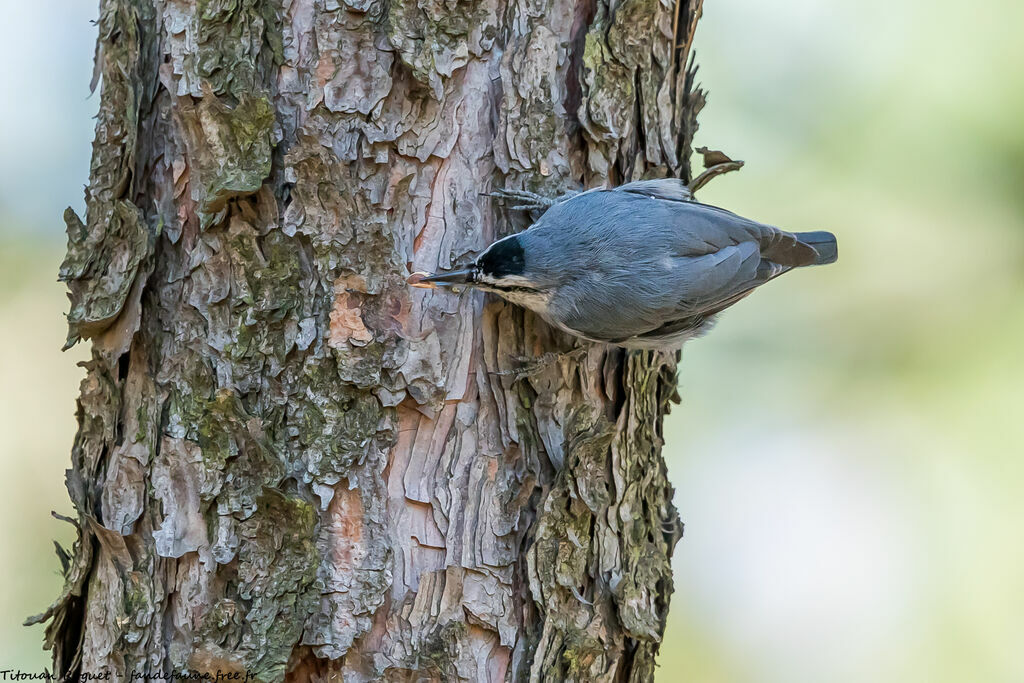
{"type": "Point", "coordinates": [636, 264]}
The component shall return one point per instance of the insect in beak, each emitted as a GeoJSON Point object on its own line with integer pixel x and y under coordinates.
{"type": "Point", "coordinates": [455, 277]}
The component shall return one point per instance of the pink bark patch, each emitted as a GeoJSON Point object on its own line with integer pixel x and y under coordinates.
{"type": "Point", "coordinates": [347, 325]}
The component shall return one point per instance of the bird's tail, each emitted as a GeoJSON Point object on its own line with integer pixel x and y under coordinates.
{"type": "Point", "coordinates": [822, 242]}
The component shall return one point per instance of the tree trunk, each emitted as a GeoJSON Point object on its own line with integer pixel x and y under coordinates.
{"type": "Point", "coordinates": [288, 462]}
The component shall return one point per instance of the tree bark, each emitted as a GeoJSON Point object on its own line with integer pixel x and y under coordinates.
{"type": "Point", "coordinates": [288, 462]}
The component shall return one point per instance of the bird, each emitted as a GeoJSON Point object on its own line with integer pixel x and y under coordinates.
{"type": "Point", "coordinates": [639, 266]}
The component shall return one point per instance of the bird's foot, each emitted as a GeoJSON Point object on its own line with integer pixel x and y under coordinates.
{"type": "Point", "coordinates": [530, 366]}
{"type": "Point", "coordinates": [523, 200]}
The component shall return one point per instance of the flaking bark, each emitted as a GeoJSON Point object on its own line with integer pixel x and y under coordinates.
{"type": "Point", "coordinates": [288, 462]}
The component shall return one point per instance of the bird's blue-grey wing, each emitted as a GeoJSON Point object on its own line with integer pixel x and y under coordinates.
{"type": "Point", "coordinates": [679, 261]}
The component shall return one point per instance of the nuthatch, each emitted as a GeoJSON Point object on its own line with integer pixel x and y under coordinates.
{"type": "Point", "coordinates": [641, 265]}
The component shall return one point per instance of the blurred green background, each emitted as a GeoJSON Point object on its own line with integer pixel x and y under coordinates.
{"type": "Point", "coordinates": [848, 455]}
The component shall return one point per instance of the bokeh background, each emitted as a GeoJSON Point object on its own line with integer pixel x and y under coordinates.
{"type": "Point", "coordinates": [849, 455]}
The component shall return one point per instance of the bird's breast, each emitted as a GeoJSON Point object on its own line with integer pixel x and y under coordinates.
{"type": "Point", "coordinates": [532, 299]}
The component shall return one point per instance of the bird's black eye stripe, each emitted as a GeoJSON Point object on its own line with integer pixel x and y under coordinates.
{"type": "Point", "coordinates": [512, 288]}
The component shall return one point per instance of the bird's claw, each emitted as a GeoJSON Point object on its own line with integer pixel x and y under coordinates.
{"type": "Point", "coordinates": [531, 366]}
{"type": "Point", "coordinates": [523, 200]}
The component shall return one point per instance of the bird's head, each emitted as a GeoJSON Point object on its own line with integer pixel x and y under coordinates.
{"type": "Point", "coordinates": [501, 269]}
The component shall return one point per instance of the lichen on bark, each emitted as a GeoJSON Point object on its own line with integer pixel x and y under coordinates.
{"type": "Point", "coordinates": [290, 464]}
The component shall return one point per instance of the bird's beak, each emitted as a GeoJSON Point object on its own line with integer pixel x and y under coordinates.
{"type": "Point", "coordinates": [454, 277]}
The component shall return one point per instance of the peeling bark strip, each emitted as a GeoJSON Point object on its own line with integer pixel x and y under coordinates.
{"type": "Point", "coordinates": [290, 463]}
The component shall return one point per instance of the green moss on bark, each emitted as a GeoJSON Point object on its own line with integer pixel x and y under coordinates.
{"type": "Point", "coordinates": [229, 149]}
{"type": "Point", "coordinates": [277, 565]}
